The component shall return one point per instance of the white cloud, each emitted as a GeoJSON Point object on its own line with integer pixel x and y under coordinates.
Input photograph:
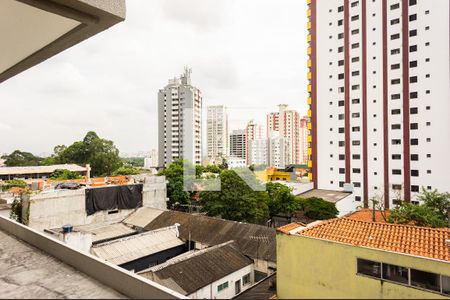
{"type": "Point", "coordinates": [249, 55]}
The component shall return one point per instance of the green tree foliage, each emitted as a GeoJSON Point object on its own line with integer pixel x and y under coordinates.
{"type": "Point", "coordinates": [137, 162]}
{"type": "Point", "coordinates": [101, 154]}
{"type": "Point", "coordinates": [13, 183]}
{"type": "Point", "coordinates": [281, 199]}
{"type": "Point", "coordinates": [64, 175]}
{"type": "Point", "coordinates": [22, 159]}
{"type": "Point", "coordinates": [126, 170]}
{"type": "Point", "coordinates": [432, 213]}
{"type": "Point", "coordinates": [418, 215]}
{"type": "Point", "coordinates": [175, 188]}
{"type": "Point", "coordinates": [236, 200]}
{"type": "Point", "coordinates": [213, 169]}
{"type": "Point", "coordinates": [318, 209]}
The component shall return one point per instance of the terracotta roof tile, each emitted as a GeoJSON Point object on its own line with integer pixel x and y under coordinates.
{"type": "Point", "coordinates": [420, 241]}
{"type": "Point", "coordinates": [287, 228]}
{"type": "Point", "coordinates": [367, 215]}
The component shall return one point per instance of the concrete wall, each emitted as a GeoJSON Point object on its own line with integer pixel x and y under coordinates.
{"type": "Point", "coordinates": [348, 205]}
{"type": "Point", "coordinates": [129, 284]}
{"type": "Point", "coordinates": [312, 268]}
{"type": "Point", "coordinates": [54, 209]}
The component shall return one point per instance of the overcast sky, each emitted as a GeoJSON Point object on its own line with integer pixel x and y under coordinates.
{"type": "Point", "coordinates": [249, 55]}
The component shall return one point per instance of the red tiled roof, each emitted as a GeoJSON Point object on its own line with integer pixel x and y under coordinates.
{"type": "Point", "coordinates": [367, 215]}
{"type": "Point", "coordinates": [287, 228]}
{"type": "Point", "coordinates": [413, 240]}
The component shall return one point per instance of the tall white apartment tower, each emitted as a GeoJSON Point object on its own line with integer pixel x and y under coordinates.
{"type": "Point", "coordinates": [180, 121]}
{"type": "Point", "coordinates": [287, 123]}
{"type": "Point", "coordinates": [217, 132]}
{"type": "Point", "coordinates": [379, 97]}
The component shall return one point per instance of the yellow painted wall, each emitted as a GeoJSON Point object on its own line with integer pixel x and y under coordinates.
{"type": "Point", "coordinates": [272, 175]}
{"type": "Point", "coordinates": [312, 268]}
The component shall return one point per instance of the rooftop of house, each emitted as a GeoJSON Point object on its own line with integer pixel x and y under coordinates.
{"type": "Point", "coordinates": [40, 169]}
{"type": "Point", "coordinates": [265, 289]}
{"type": "Point", "coordinates": [327, 195]}
{"type": "Point", "coordinates": [26, 272]}
{"type": "Point", "coordinates": [123, 250]}
{"type": "Point", "coordinates": [367, 215]}
{"type": "Point", "coordinates": [255, 241]}
{"type": "Point", "coordinates": [199, 269]}
{"type": "Point", "coordinates": [412, 240]}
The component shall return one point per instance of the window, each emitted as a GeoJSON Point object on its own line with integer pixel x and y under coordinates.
{"type": "Point", "coordinates": [340, 8]}
{"type": "Point", "coordinates": [341, 49]}
{"type": "Point", "coordinates": [341, 156]}
{"type": "Point", "coordinates": [395, 273]}
{"type": "Point", "coordinates": [356, 129]}
{"type": "Point", "coordinates": [413, 17]}
{"type": "Point", "coordinates": [395, 67]}
{"type": "Point", "coordinates": [414, 142]}
{"type": "Point", "coordinates": [356, 156]}
{"type": "Point", "coordinates": [370, 268]}
{"type": "Point", "coordinates": [355, 45]}
{"type": "Point", "coordinates": [340, 22]}
{"type": "Point", "coordinates": [395, 51]}
{"type": "Point", "coordinates": [356, 171]}
{"type": "Point", "coordinates": [395, 111]}
{"type": "Point", "coordinates": [413, 48]}
{"type": "Point", "coordinates": [395, 21]}
{"type": "Point", "coordinates": [412, 33]}
{"type": "Point", "coordinates": [396, 156]}
{"type": "Point", "coordinates": [397, 187]}
{"type": "Point", "coordinates": [395, 36]}
{"type": "Point", "coordinates": [356, 143]}
{"type": "Point", "coordinates": [341, 103]}
{"type": "Point", "coordinates": [355, 59]}
{"type": "Point", "coordinates": [396, 172]}
{"type": "Point", "coordinates": [355, 115]}
{"type": "Point", "coordinates": [354, 4]}
{"type": "Point", "coordinates": [413, 64]}
{"type": "Point", "coordinates": [358, 198]}
{"type": "Point", "coordinates": [355, 18]}
{"type": "Point", "coordinates": [246, 279]}
{"type": "Point", "coordinates": [355, 73]}
{"type": "Point", "coordinates": [341, 130]}
{"type": "Point", "coordinates": [340, 36]}
{"type": "Point", "coordinates": [414, 110]}
{"type": "Point", "coordinates": [413, 79]}
{"type": "Point", "coordinates": [396, 126]}
{"type": "Point", "coordinates": [395, 81]}
{"type": "Point", "coordinates": [426, 280]}
{"type": "Point", "coordinates": [415, 189]}
{"type": "Point", "coordinates": [395, 97]}
{"type": "Point", "coordinates": [413, 95]}
{"type": "Point", "coordinates": [412, 2]}
{"type": "Point", "coordinates": [341, 171]}
{"type": "Point", "coordinates": [414, 126]}
{"type": "Point", "coordinates": [415, 173]}
{"type": "Point", "coordinates": [395, 6]}
{"type": "Point", "coordinates": [222, 286]}
{"type": "Point", "coordinates": [355, 31]}
{"type": "Point", "coordinates": [355, 101]}
{"type": "Point", "coordinates": [396, 142]}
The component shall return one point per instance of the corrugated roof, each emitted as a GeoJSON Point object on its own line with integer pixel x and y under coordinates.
{"type": "Point", "coordinates": [128, 249]}
{"type": "Point", "coordinates": [142, 217]}
{"type": "Point", "coordinates": [413, 240]}
{"type": "Point", "coordinates": [255, 241]}
{"type": "Point", "coordinates": [200, 269]}
{"type": "Point", "coordinates": [102, 232]}
{"type": "Point", "coordinates": [40, 169]}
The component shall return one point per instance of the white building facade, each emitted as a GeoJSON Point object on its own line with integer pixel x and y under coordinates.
{"type": "Point", "coordinates": [288, 124]}
{"type": "Point", "coordinates": [258, 151]}
{"type": "Point", "coordinates": [253, 132]}
{"type": "Point", "coordinates": [217, 132]}
{"type": "Point", "coordinates": [279, 149]}
{"type": "Point", "coordinates": [379, 97]}
{"type": "Point", "coordinates": [180, 121]}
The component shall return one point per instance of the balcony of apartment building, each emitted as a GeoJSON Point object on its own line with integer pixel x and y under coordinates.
{"type": "Point", "coordinates": [33, 265]}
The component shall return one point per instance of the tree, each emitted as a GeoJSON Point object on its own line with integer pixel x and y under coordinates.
{"type": "Point", "coordinates": [64, 175]}
{"type": "Point", "coordinates": [281, 199]}
{"type": "Point", "coordinates": [126, 170]}
{"type": "Point", "coordinates": [432, 213]}
{"type": "Point", "coordinates": [8, 184]}
{"type": "Point", "coordinates": [417, 215]}
{"type": "Point", "coordinates": [101, 154]}
{"type": "Point", "coordinates": [175, 188]}
{"type": "Point", "coordinates": [439, 203]}
{"type": "Point", "coordinates": [21, 159]}
{"type": "Point", "coordinates": [236, 201]}
{"type": "Point", "coordinates": [318, 209]}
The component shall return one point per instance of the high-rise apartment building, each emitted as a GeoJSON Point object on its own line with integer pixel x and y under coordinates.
{"type": "Point", "coordinates": [304, 135]}
{"type": "Point", "coordinates": [258, 151]}
{"type": "Point", "coordinates": [279, 149]}
{"type": "Point", "coordinates": [287, 123]}
{"type": "Point", "coordinates": [180, 121]}
{"type": "Point", "coordinates": [238, 140]}
{"type": "Point", "coordinates": [253, 132]}
{"type": "Point", "coordinates": [379, 97]}
{"type": "Point", "coordinates": [217, 132]}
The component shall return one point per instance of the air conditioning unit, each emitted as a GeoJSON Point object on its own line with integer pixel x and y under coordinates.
{"type": "Point", "coordinates": [348, 187]}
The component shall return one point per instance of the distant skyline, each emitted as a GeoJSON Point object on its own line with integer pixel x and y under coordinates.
{"type": "Point", "coordinates": [247, 55]}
